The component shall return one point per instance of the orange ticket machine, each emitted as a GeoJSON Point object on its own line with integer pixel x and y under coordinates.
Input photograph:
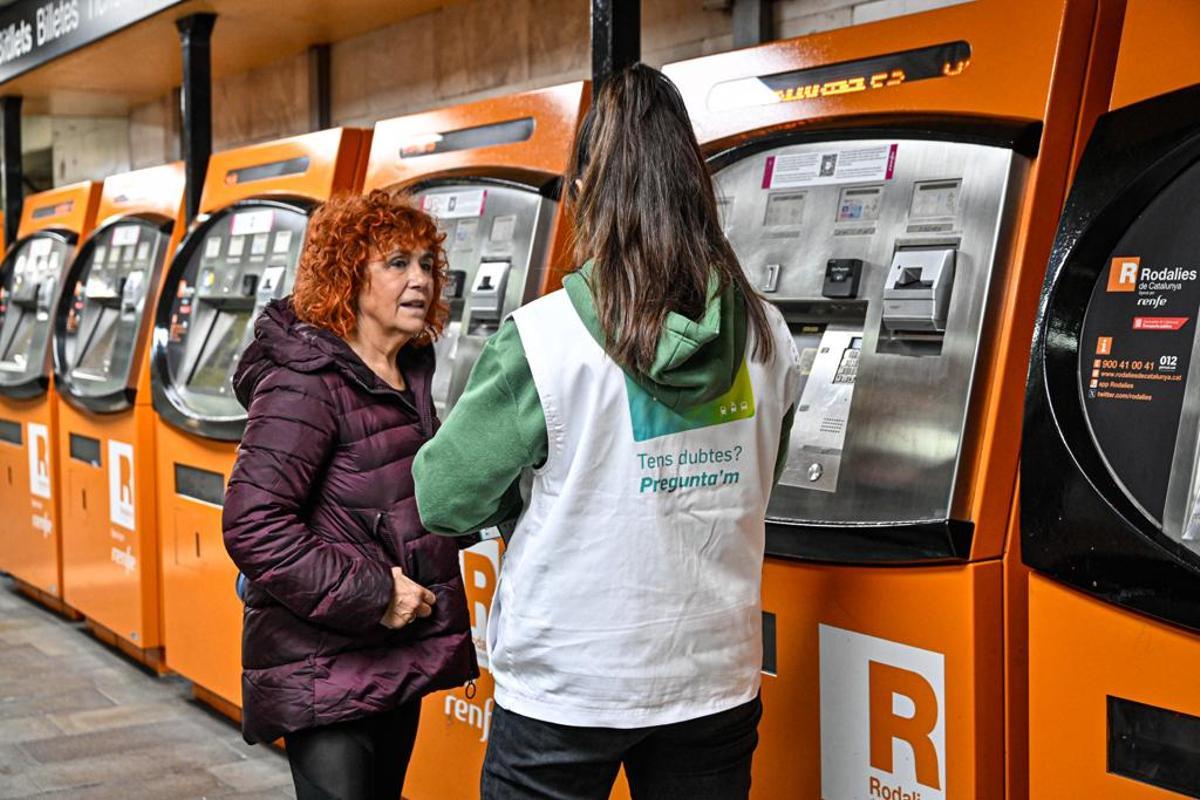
{"type": "Point", "coordinates": [240, 254]}
{"type": "Point", "coordinates": [31, 277]}
{"type": "Point", "coordinates": [1110, 477]}
{"type": "Point", "coordinates": [105, 446]}
{"type": "Point", "coordinates": [892, 188]}
{"type": "Point", "coordinates": [491, 173]}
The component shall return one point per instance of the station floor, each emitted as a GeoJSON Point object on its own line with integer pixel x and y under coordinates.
{"type": "Point", "coordinates": [79, 721]}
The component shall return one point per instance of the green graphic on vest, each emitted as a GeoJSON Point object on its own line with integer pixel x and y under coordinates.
{"type": "Point", "coordinates": [652, 419]}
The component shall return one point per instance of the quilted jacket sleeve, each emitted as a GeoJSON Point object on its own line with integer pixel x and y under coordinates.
{"type": "Point", "coordinates": [290, 436]}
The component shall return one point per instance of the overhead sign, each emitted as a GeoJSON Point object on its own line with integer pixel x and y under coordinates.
{"type": "Point", "coordinates": [34, 32]}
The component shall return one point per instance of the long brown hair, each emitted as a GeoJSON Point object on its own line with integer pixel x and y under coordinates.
{"type": "Point", "coordinates": [646, 215]}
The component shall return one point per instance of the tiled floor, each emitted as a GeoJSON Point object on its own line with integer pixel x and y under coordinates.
{"type": "Point", "coordinates": [79, 721]}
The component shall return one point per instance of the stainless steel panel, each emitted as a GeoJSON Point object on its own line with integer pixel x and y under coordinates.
{"type": "Point", "coordinates": [497, 235]}
{"type": "Point", "coordinates": [912, 397]}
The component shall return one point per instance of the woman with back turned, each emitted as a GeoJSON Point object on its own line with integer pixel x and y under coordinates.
{"type": "Point", "coordinates": [353, 611]}
{"type": "Point", "coordinates": [647, 404]}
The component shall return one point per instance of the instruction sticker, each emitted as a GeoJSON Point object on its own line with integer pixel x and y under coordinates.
{"type": "Point", "coordinates": [125, 234]}
{"type": "Point", "coordinates": [833, 166]}
{"type": "Point", "coordinates": [251, 222]}
{"type": "Point", "coordinates": [455, 205]}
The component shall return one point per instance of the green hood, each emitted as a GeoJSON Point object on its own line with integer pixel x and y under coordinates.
{"type": "Point", "coordinates": [697, 360]}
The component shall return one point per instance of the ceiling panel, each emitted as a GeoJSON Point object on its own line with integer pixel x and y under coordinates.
{"type": "Point", "coordinates": [142, 62]}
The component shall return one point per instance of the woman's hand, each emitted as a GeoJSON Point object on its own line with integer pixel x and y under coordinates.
{"type": "Point", "coordinates": [409, 601]}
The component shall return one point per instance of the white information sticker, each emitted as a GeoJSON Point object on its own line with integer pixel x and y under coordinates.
{"type": "Point", "coordinates": [237, 246]}
{"type": "Point", "coordinates": [455, 205]}
{"type": "Point", "coordinates": [258, 245]}
{"type": "Point", "coordinates": [824, 167]}
{"type": "Point", "coordinates": [503, 228]}
{"type": "Point", "coordinates": [125, 234]}
{"type": "Point", "coordinates": [212, 247]}
{"type": "Point", "coordinates": [283, 242]}
{"type": "Point", "coordinates": [40, 247]}
{"type": "Point", "coordinates": [251, 222]}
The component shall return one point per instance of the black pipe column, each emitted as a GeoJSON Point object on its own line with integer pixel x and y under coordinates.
{"type": "Point", "coordinates": [752, 22]}
{"type": "Point", "coordinates": [10, 167]}
{"type": "Point", "coordinates": [195, 39]}
{"type": "Point", "coordinates": [616, 38]}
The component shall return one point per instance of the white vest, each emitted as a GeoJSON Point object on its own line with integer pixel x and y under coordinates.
{"type": "Point", "coordinates": [630, 591]}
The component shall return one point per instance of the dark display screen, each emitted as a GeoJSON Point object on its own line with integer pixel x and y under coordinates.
{"type": "Point", "coordinates": [1135, 349]}
{"type": "Point", "coordinates": [213, 368]}
{"type": "Point", "coordinates": [849, 77]}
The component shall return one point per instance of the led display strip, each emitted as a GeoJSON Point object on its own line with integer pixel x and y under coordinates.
{"type": "Point", "coordinates": [848, 77]}
{"type": "Point", "coordinates": [511, 131]}
{"type": "Point", "coordinates": [273, 169]}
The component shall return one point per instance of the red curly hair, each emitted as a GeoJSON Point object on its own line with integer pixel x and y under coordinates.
{"type": "Point", "coordinates": [343, 235]}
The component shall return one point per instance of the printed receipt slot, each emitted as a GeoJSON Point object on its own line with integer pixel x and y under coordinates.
{"type": "Point", "coordinates": [490, 172]}
{"type": "Point", "coordinates": [105, 446]}
{"type": "Point", "coordinates": [31, 278]}
{"type": "Point", "coordinates": [882, 255]}
{"type": "Point", "coordinates": [240, 254]}
{"type": "Point", "coordinates": [892, 189]}
{"type": "Point", "coordinates": [1110, 484]}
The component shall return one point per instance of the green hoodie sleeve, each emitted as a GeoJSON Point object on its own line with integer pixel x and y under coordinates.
{"type": "Point", "coordinates": [466, 476]}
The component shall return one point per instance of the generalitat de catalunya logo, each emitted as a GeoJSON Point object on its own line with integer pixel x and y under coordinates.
{"type": "Point", "coordinates": [883, 719]}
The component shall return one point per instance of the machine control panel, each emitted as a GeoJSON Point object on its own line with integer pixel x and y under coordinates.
{"type": "Point", "coordinates": [101, 312]}
{"type": "Point", "coordinates": [228, 269]}
{"type": "Point", "coordinates": [497, 238]}
{"type": "Point", "coordinates": [29, 283]}
{"type": "Point", "coordinates": [880, 254]}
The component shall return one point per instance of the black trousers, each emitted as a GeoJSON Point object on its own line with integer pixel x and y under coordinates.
{"type": "Point", "coordinates": [363, 759]}
{"type": "Point", "coordinates": [701, 759]}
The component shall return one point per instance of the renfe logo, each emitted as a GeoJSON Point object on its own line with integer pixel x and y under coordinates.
{"type": "Point", "coordinates": [120, 484]}
{"type": "Point", "coordinates": [39, 460]}
{"type": "Point", "coordinates": [883, 720]}
{"type": "Point", "coordinates": [1123, 274]}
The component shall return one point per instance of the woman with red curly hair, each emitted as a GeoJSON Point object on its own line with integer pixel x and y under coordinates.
{"type": "Point", "coordinates": [353, 612]}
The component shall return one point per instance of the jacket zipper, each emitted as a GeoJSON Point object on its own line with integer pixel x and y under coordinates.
{"type": "Point", "coordinates": [424, 418]}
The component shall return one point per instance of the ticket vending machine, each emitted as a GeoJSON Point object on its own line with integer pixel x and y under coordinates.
{"type": "Point", "coordinates": [240, 254]}
{"type": "Point", "coordinates": [30, 280]}
{"type": "Point", "coordinates": [491, 173]}
{"type": "Point", "coordinates": [1110, 518]}
{"type": "Point", "coordinates": [105, 446]}
{"type": "Point", "coordinates": [891, 188]}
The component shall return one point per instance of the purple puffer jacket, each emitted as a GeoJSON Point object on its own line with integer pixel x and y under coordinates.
{"type": "Point", "coordinates": [319, 507]}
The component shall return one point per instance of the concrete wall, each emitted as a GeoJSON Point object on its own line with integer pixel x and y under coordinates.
{"type": "Point", "coordinates": [467, 51]}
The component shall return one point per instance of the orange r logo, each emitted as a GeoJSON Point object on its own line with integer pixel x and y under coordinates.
{"type": "Point", "coordinates": [886, 682]}
{"type": "Point", "coordinates": [1123, 274]}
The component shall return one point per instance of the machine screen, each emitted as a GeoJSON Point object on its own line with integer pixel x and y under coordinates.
{"type": "Point", "coordinates": [246, 257]}
{"type": "Point", "coordinates": [103, 315]}
{"type": "Point", "coordinates": [224, 343]}
{"type": "Point", "coordinates": [496, 242]}
{"type": "Point", "coordinates": [786, 208]}
{"type": "Point", "coordinates": [29, 284]}
{"type": "Point", "coordinates": [824, 230]}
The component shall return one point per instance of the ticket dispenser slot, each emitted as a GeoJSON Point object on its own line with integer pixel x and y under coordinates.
{"type": "Point", "coordinates": [486, 303]}
{"type": "Point", "coordinates": [496, 244]}
{"type": "Point", "coordinates": [883, 276]}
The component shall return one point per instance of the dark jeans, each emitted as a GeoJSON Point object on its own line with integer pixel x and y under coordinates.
{"type": "Point", "coordinates": [701, 759]}
{"type": "Point", "coordinates": [363, 759]}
